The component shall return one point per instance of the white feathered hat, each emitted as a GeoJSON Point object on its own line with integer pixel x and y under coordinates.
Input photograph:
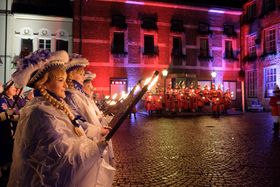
{"type": "Point", "coordinates": [89, 76]}
{"type": "Point", "coordinates": [76, 61]}
{"type": "Point", "coordinates": [33, 67]}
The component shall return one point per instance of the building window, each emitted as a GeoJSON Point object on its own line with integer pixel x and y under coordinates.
{"type": "Point", "coordinates": [270, 42]}
{"type": "Point", "coordinates": [61, 45]}
{"type": "Point", "coordinates": [251, 12]}
{"type": "Point", "coordinates": [149, 48]}
{"type": "Point", "coordinates": [251, 46]}
{"type": "Point", "coordinates": [228, 49]}
{"type": "Point", "coordinates": [229, 31]}
{"type": "Point", "coordinates": [149, 23]}
{"type": "Point", "coordinates": [269, 81]}
{"type": "Point", "coordinates": [177, 26]}
{"type": "Point", "coordinates": [118, 44]}
{"type": "Point", "coordinates": [27, 45]}
{"type": "Point", "coordinates": [268, 6]}
{"type": "Point", "coordinates": [118, 21]}
{"type": "Point", "coordinates": [117, 86]}
{"type": "Point", "coordinates": [204, 47]}
{"type": "Point", "coordinates": [252, 83]}
{"type": "Point", "coordinates": [45, 44]}
{"type": "Point", "coordinates": [204, 54]}
{"type": "Point", "coordinates": [204, 29]}
{"type": "Point", "coordinates": [177, 47]}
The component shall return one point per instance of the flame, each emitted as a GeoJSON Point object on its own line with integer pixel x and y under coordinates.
{"type": "Point", "coordinates": [153, 82]}
{"type": "Point", "coordinates": [114, 96]}
{"type": "Point", "coordinates": [137, 89]}
{"type": "Point", "coordinates": [112, 102]}
{"type": "Point", "coordinates": [123, 95]}
{"type": "Point", "coordinates": [147, 81]}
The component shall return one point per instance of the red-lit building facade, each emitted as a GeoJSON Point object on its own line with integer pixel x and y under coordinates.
{"type": "Point", "coordinates": [260, 49]}
{"type": "Point", "coordinates": [125, 41]}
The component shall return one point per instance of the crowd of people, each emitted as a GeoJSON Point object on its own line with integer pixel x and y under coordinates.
{"type": "Point", "coordinates": [53, 134]}
{"type": "Point", "coordinates": [188, 99]}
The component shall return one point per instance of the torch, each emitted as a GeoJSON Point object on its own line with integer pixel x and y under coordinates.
{"type": "Point", "coordinates": [118, 119]}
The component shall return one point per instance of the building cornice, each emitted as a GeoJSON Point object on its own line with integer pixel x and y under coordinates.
{"type": "Point", "coordinates": [42, 18]}
{"type": "Point", "coordinates": [137, 22]}
{"type": "Point", "coordinates": [162, 66]}
{"type": "Point", "coordinates": [177, 6]}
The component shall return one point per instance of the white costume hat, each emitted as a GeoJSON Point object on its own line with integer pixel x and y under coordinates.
{"type": "Point", "coordinates": [89, 76]}
{"type": "Point", "coordinates": [76, 61]}
{"type": "Point", "coordinates": [33, 67]}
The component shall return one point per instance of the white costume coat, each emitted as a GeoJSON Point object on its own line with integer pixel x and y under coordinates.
{"type": "Point", "coordinates": [47, 152]}
{"type": "Point", "coordinates": [87, 109]}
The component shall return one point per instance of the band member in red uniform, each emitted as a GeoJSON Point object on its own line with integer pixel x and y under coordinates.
{"type": "Point", "coordinates": [173, 102]}
{"type": "Point", "coordinates": [274, 103]}
{"type": "Point", "coordinates": [180, 98]}
{"type": "Point", "coordinates": [215, 103]}
{"type": "Point", "coordinates": [159, 102]}
{"type": "Point", "coordinates": [227, 100]}
{"type": "Point", "coordinates": [206, 95]}
{"type": "Point", "coordinates": [192, 101]}
{"type": "Point", "coordinates": [148, 102]}
{"type": "Point", "coordinates": [221, 99]}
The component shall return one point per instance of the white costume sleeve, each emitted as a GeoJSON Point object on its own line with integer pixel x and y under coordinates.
{"type": "Point", "coordinates": [79, 103]}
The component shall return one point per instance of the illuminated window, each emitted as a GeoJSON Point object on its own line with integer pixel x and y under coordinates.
{"type": "Point", "coordinates": [269, 81]}
{"type": "Point", "coordinates": [204, 83]}
{"type": "Point", "coordinates": [252, 83]}
{"type": "Point", "coordinates": [270, 41]}
{"type": "Point", "coordinates": [45, 44]}
{"type": "Point", "coordinates": [251, 46]}
{"type": "Point", "coordinates": [231, 85]}
{"type": "Point", "coordinates": [118, 85]}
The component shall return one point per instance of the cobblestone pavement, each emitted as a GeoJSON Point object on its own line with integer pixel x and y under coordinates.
{"type": "Point", "coordinates": [238, 150]}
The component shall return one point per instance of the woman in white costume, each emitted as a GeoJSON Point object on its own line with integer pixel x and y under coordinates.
{"type": "Point", "coordinates": [83, 105]}
{"type": "Point", "coordinates": [87, 85]}
{"type": "Point", "coordinates": [51, 149]}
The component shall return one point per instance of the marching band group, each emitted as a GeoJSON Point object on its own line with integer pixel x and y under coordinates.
{"type": "Point", "coordinates": [189, 99]}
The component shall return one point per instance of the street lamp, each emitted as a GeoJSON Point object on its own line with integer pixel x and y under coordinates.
{"type": "Point", "coordinates": [213, 75]}
{"type": "Point", "coordinates": [164, 74]}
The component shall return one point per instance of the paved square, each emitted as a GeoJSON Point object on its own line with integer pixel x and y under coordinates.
{"type": "Point", "coordinates": [237, 150]}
